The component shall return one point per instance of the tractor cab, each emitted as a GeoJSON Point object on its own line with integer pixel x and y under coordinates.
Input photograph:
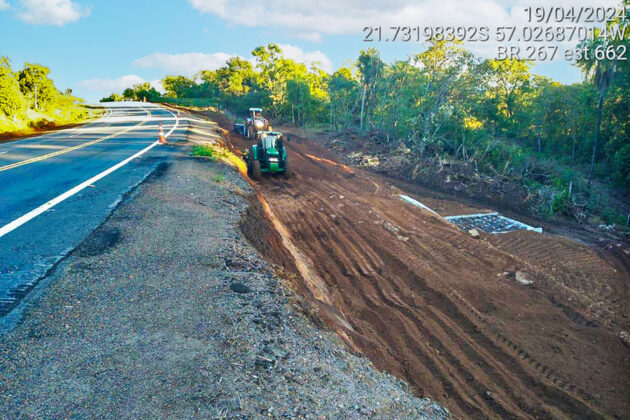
{"type": "Point", "coordinates": [272, 141]}
{"type": "Point", "coordinates": [256, 122]}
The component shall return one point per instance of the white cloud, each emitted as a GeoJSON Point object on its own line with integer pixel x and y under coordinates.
{"type": "Point", "coordinates": [188, 64]}
{"type": "Point", "coordinates": [185, 64]}
{"type": "Point", "coordinates": [157, 84]}
{"type": "Point", "coordinates": [309, 58]}
{"type": "Point", "coordinates": [4, 5]}
{"type": "Point", "coordinates": [111, 85]}
{"type": "Point", "coordinates": [312, 19]}
{"type": "Point", "coordinates": [51, 12]}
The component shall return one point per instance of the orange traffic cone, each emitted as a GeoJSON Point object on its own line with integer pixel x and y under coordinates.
{"type": "Point", "coordinates": [161, 137]}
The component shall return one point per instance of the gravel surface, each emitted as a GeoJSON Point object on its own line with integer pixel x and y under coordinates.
{"type": "Point", "coordinates": [166, 311]}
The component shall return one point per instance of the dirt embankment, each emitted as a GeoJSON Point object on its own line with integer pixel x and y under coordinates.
{"type": "Point", "coordinates": [165, 311]}
{"type": "Point", "coordinates": [463, 181]}
{"type": "Point", "coordinates": [443, 310]}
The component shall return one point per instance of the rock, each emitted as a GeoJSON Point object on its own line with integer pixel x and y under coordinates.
{"type": "Point", "coordinates": [390, 227]}
{"type": "Point", "coordinates": [625, 337]}
{"type": "Point", "coordinates": [474, 233]}
{"type": "Point", "coordinates": [240, 288]}
{"type": "Point", "coordinates": [521, 277]}
{"type": "Point", "coordinates": [274, 352]}
{"type": "Point", "coordinates": [264, 362]}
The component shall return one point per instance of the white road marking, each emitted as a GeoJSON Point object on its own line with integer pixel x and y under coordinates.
{"type": "Point", "coordinates": [77, 147]}
{"type": "Point", "coordinates": [47, 206]}
{"type": "Point", "coordinates": [2, 153]}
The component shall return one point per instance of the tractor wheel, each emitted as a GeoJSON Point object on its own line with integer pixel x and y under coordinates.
{"type": "Point", "coordinates": [287, 169]}
{"type": "Point", "coordinates": [256, 172]}
{"type": "Point", "coordinates": [250, 160]}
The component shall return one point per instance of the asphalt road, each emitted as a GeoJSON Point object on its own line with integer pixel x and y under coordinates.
{"type": "Point", "coordinates": [55, 189]}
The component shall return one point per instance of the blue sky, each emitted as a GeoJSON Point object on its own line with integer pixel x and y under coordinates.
{"type": "Point", "coordinates": [96, 47]}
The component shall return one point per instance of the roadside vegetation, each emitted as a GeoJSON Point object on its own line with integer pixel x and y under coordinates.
{"type": "Point", "coordinates": [29, 101]}
{"type": "Point", "coordinates": [215, 151]}
{"type": "Point", "coordinates": [205, 151]}
{"type": "Point", "coordinates": [566, 146]}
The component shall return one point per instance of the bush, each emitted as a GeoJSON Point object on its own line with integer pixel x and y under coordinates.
{"type": "Point", "coordinates": [203, 151]}
{"type": "Point", "coordinates": [621, 166]}
{"type": "Point", "coordinates": [552, 202]}
{"type": "Point", "coordinates": [561, 202]}
{"type": "Point", "coordinates": [41, 124]}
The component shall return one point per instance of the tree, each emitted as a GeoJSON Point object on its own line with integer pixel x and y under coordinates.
{"type": "Point", "coordinates": [178, 86]}
{"type": "Point", "coordinates": [142, 92]}
{"type": "Point", "coordinates": [342, 91]}
{"type": "Point", "coordinates": [441, 69]}
{"type": "Point", "coordinates": [601, 73]}
{"type": "Point", "coordinates": [236, 78]}
{"type": "Point", "coordinates": [508, 83]}
{"type": "Point", "coordinates": [36, 85]}
{"type": "Point", "coordinates": [12, 102]}
{"type": "Point", "coordinates": [299, 96]}
{"type": "Point", "coordinates": [112, 98]}
{"type": "Point", "coordinates": [270, 71]}
{"type": "Point", "coordinates": [371, 68]}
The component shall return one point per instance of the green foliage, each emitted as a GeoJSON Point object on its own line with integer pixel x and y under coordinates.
{"type": "Point", "coordinates": [12, 102]}
{"type": "Point", "coordinates": [36, 86]}
{"type": "Point", "coordinates": [508, 82]}
{"type": "Point", "coordinates": [112, 98]}
{"type": "Point", "coordinates": [142, 92]}
{"type": "Point", "coordinates": [561, 202]}
{"type": "Point", "coordinates": [29, 100]}
{"type": "Point", "coordinates": [621, 165]}
{"type": "Point", "coordinates": [203, 151]}
{"type": "Point", "coordinates": [442, 102]}
{"type": "Point", "coordinates": [343, 89]}
{"type": "Point", "coordinates": [178, 86]}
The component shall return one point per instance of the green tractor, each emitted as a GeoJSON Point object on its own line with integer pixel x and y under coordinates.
{"type": "Point", "coordinates": [267, 155]}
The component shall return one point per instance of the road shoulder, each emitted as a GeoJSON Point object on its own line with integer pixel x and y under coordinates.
{"type": "Point", "coordinates": [167, 311]}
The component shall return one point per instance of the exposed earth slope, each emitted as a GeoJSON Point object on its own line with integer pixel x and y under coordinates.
{"type": "Point", "coordinates": [443, 310]}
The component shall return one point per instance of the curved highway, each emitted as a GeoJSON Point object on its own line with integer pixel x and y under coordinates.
{"type": "Point", "coordinates": [56, 188]}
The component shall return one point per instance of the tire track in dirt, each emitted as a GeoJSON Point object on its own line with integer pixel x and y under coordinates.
{"type": "Point", "coordinates": [430, 304]}
{"type": "Point", "coordinates": [478, 344]}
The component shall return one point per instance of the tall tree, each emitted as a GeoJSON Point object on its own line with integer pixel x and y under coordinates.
{"type": "Point", "coordinates": [508, 83]}
{"type": "Point", "coordinates": [601, 73]}
{"type": "Point", "coordinates": [178, 86]}
{"type": "Point", "coordinates": [36, 85]}
{"type": "Point", "coordinates": [370, 67]}
{"type": "Point", "coordinates": [441, 68]}
{"type": "Point", "coordinates": [12, 102]}
{"type": "Point", "coordinates": [342, 91]}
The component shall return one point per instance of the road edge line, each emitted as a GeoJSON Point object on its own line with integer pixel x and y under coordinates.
{"type": "Point", "coordinates": [60, 198]}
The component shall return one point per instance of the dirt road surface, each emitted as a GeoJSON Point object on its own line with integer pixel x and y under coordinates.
{"type": "Point", "coordinates": [443, 310]}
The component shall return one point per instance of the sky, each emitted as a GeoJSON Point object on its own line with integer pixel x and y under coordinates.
{"type": "Point", "coordinates": [96, 47]}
